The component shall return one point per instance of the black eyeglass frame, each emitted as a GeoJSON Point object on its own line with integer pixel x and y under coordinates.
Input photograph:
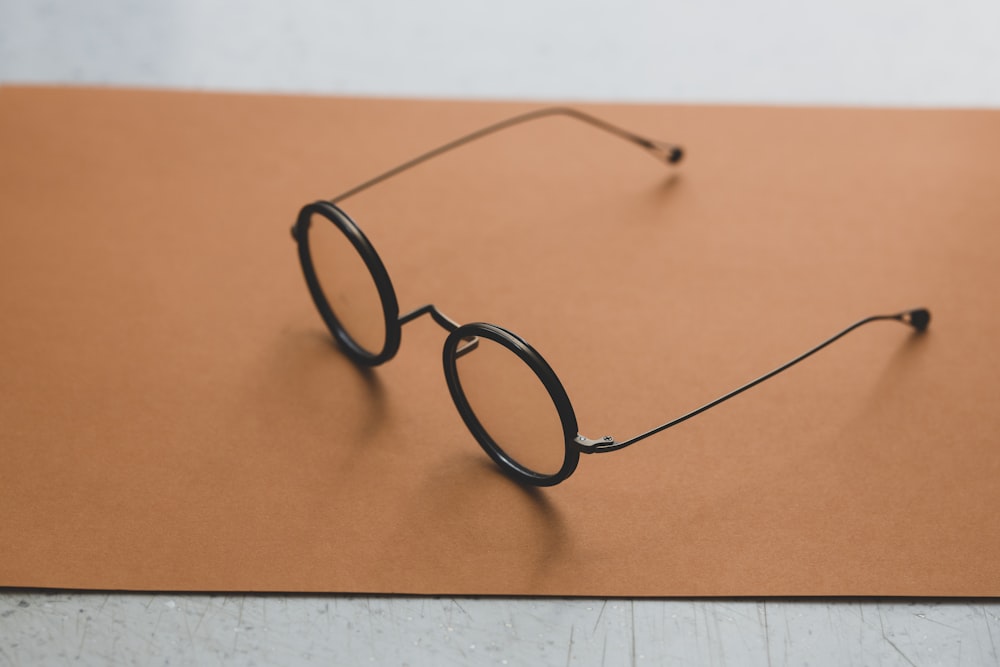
{"type": "Point", "coordinates": [390, 306]}
{"type": "Point", "coordinates": [464, 338]}
{"type": "Point", "coordinates": [549, 380]}
{"type": "Point", "coordinates": [453, 346]}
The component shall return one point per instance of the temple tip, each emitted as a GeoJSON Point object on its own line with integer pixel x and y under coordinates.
{"type": "Point", "coordinates": [669, 153]}
{"type": "Point", "coordinates": [918, 318]}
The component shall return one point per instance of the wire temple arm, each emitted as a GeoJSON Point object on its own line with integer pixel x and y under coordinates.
{"type": "Point", "coordinates": [669, 153]}
{"type": "Point", "coordinates": [918, 318]}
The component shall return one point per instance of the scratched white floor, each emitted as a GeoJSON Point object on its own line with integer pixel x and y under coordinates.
{"type": "Point", "coordinates": [915, 53]}
{"type": "Point", "coordinates": [95, 628]}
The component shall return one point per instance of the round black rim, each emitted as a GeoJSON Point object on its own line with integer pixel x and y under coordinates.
{"type": "Point", "coordinates": [390, 307]}
{"type": "Point", "coordinates": [541, 368]}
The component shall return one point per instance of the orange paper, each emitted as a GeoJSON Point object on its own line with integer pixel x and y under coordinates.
{"type": "Point", "coordinates": [175, 417]}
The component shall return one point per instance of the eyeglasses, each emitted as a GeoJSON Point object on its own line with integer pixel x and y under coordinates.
{"type": "Point", "coordinates": [508, 396]}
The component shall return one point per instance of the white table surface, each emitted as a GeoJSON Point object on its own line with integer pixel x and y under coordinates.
{"type": "Point", "coordinates": [851, 52]}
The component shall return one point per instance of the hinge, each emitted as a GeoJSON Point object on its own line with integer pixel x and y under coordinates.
{"type": "Point", "coordinates": [588, 446]}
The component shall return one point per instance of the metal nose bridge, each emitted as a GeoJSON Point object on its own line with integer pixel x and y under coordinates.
{"type": "Point", "coordinates": [469, 344]}
{"type": "Point", "coordinates": [443, 320]}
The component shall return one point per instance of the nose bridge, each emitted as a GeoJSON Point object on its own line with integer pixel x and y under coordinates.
{"type": "Point", "coordinates": [442, 320]}
{"type": "Point", "coordinates": [469, 343]}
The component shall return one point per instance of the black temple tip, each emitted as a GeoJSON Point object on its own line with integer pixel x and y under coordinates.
{"type": "Point", "coordinates": [675, 155]}
{"type": "Point", "coordinates": [918, 318]}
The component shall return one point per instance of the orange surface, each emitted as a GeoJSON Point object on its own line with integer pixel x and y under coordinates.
{"type": "Point", "coordinates": [174, 416]}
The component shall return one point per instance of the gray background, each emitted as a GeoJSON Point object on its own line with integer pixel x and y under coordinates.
{"type": "Point", "coordinates": [768, 51]}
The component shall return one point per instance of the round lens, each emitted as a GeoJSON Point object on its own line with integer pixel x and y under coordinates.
{"type": "Point", "coordinates": [513, 406]}
{"type": "Point", "coordinates": [347, 284]}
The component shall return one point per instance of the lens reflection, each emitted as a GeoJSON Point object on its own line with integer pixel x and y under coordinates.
{"type": "Point", "coordinates": [513, 406]}
{"type": "Point", "coordinates": [347, 284]}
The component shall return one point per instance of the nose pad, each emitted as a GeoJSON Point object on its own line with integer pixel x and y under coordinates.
{"type": "Point", "coordinates": [468, 345]}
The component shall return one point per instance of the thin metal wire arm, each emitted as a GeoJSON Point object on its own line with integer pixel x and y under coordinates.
{"type": "Point", "coordinates": [918, 318]}
{"type": "Point", "coordinates": [667, 152]}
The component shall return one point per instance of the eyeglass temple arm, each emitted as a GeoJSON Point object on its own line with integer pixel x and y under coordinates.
{"type": "Point", "coordinates": [669, 153]}
{"type": "Point", "coordinates": [918, 318]}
